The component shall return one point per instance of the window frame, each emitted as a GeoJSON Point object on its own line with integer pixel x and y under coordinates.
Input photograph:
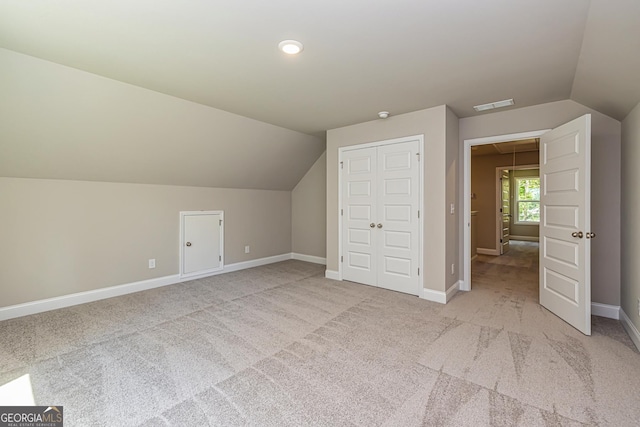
{"type": "Point", "coordinates": [517, 201]}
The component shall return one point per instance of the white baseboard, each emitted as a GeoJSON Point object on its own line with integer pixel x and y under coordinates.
{"type": "Point", "coordinates": [332, 274]}
{"type": "Point", "coordinates": [55, 303]}
{"type": "Point", "coordinates": [525, 238]}
{"type": "Point", "coordinates": [453, 290]}
{"type": "Point", "coordinates": [485, 251]}
{"type": "Point", "coordinates": [435, 296]}
{"type": "Point", "coordinates": [63, 301]}
{"type": "Point", "coordinates": [194, 276]}
{"type": "Point", "coordinates": [630, 328]}
{"type": "Point", "coordinates": [309, 258]}
{"type": "Point", "coordinates": [255, 263]}
{"type": "Point", "coordinates": [605, 310]}
{"type": "Point", "coordinates": [440, 296]}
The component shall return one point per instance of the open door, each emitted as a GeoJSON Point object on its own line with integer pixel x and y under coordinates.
{"type": "Point", "coordinates": [565, 222]}
{"type": "Point", "coordinates": [505, 211]}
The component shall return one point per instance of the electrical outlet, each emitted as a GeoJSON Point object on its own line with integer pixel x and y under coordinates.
{"type": "Point", "coordinates": [247, 249]}
{"type": "Point", "coordinates": [152, 263]}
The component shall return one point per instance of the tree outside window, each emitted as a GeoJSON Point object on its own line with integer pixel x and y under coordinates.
{"type": "Point", "coordinates": [528, 199]}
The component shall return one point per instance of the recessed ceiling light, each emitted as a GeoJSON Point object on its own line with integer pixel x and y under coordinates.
{"type": "Point", "coordinates": [492, 105]}
{"type": "Point", "coordinates": [290, 47]}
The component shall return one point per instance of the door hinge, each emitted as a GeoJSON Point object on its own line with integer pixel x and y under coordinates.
{"type": "Point", "coordinates": [501, 210]}
{"type": "Point", "coordinates": [341, 258]}
{"type": "Point", "coordinates": [341, 165]}
{"type": "Point", "coordinates": [220, 222]}
{"type": "Point", "coordinates": [418, 214]}
{"type": "Point", "coordinates": [418, 271]}
{"type": "Point", "coordinates": [500, 240]}
{"type": "Point", "coordinates": [219, 257]}
{"type": "Point", "coordinates": [341, 212]}
{"type": "Point", "coordinates": [418, 154]}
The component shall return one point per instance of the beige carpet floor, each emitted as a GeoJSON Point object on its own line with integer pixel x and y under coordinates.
{"type": "Point", "coordinates": [280, 345]}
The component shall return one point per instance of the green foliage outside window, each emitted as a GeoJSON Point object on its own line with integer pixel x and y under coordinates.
{"type": "Point", "coordinates": [528, 199]}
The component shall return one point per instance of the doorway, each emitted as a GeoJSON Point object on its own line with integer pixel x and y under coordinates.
{"type": "Point", "coordinates": [505, 198]}
{"type": "Point", "coordinates": [565, 206]}
{"type": "Point", "coordinates": [467, 194]}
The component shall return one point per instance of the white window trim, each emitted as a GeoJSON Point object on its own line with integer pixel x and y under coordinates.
{"type": "Point", "coordinates": [516, 210]}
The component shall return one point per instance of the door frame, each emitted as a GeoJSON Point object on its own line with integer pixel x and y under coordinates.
{"type": "Point", "coordinates": [499, 195]}
{"type": "Point", "coordinates": [465, 283]}
{"type": "Point", "coordinates": [203, 273]}
{"type": "Point", "coordinates": [341, 150]}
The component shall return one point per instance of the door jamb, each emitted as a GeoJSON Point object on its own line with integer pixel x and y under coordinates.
{"type": "Point", "coordinates": [419, 291]}
{"type": "Point", "coordinates": [465, 284]}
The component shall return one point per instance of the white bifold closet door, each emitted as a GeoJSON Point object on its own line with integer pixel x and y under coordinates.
{"type": "Point", "coordinates": [380, 216]}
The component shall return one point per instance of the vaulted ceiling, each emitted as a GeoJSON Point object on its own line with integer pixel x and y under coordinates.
{"type": "Point", "coordinates": [360, 56]}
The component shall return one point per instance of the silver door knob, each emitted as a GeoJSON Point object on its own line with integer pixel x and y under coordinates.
{"type": "Point", "coordinates": [188, 243]}
{"type": "Point", "coordinates": [379, 225]}
{"type": "Point", "coordinates": [590, 235]}
{"type": "Point", "coordinates": [373, 224]}
{"type": "Point", "coordinates": [577, 234]}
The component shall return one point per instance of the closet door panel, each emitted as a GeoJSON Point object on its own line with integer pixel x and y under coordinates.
{"type": "Point", "coordinates": [359, 193]}
{"type": "Point", "coordinates": [397, 213]}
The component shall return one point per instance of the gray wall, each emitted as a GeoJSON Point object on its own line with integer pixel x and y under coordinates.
{"type": "Point", "coordinates": [605, 178]}
{"type": "Point", "coordinates": [440, 175]}
{"type": "Point", "coordinates": [454, 191]}
{"type": "Point", "coordinates": [630, 209]}
{"type": "Point", "coordinates": [61, 237]}
{"type": "Point", "coordinates": [74, 228]}
{"type": "Point", "coordinates": [309, 211]}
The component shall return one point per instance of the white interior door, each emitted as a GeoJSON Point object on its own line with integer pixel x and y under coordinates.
{"type": "Point", "coordinates": [359, 194]}
{"type": "Point", "coordinates": [565, 222]}
{"type": "Point", "coordinates": [505, 211]}
{"type": "Point", "coordinates": [201, 242]}
{"type": "Point", "coordinates": [380, 224]}
{"type": "Point", "coordinates": [397, 227]}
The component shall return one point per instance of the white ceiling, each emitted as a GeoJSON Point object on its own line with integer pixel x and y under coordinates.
{"type": "Point", "coordinates": [360, 57]}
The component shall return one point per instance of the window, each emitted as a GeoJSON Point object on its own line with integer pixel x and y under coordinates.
{"type": "Point", "coordinates": [528, 199]}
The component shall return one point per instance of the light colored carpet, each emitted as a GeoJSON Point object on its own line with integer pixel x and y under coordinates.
{"type": "Point", "coordinates": [280, 345]}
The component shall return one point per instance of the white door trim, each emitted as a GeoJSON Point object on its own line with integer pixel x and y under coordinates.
{"type": "Point", "coordinates": [341, 150]}
{"type": "Point", "coordinates": [465, 284]}
{"type": "Point", "coordinates": [196, 274]}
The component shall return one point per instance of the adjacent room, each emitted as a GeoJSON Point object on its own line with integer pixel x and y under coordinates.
{"type": "Point", "coordinates": [505, 214]}
{"type": "Point", "coordinates": [320, 213]}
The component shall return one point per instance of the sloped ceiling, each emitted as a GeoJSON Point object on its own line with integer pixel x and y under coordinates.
{"type": "Point", "coordinates": [360, 56]}
{"type": "Point", "coordinates": [78, 77]}
{"type": "Point", "coordinates": [608, 72]}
